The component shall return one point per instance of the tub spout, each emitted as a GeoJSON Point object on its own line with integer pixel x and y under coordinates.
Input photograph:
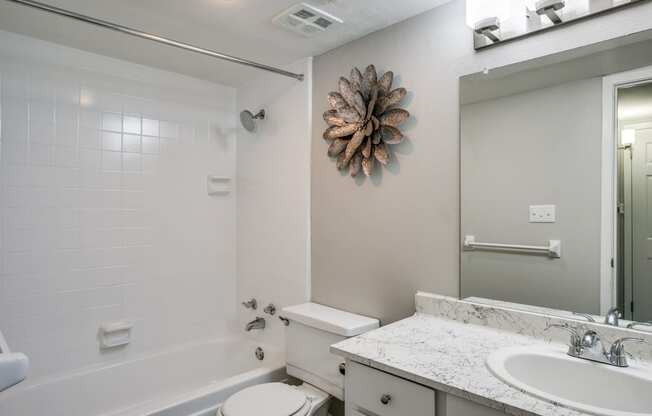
{"type": "Point", "coordinates": [258, 323]}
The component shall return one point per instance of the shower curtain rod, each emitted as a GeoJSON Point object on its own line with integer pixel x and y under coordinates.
{"type": "Point", "coordinates": [155, 38]}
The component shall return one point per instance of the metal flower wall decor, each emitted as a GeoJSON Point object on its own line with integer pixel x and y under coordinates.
{"type": "Point", "coordinates": [363, 120]}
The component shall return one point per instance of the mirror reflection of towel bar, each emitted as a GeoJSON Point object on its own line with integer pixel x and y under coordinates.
{"type": "Point", "coordinates": [4, 347]}
{"type": "Point", "coordinates": [13, 365]}
{"type": "Point", "coordinates": [553, 249]}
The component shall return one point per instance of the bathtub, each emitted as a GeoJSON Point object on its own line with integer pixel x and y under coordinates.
{"type": "Point", "coordinates": [191, 380]}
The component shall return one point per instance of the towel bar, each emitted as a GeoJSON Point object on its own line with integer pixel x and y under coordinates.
{"type": "Point", "coordinates": [553, 249]}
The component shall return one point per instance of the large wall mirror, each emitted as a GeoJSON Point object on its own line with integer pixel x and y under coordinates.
{"type": "Point", "coordinates": [556, 177]}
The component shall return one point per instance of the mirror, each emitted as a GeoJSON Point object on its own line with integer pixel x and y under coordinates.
{"type": "Point", "coordinates": [556, 182]}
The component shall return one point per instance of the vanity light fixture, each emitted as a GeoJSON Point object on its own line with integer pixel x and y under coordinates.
{"type": "Point", "coordinates": [486, 16]}
{"type": "Point", "coordinates": [497, 21]}
{"type": "Point", "coordinates": [550, 8]}
{"type": "Point", "coordinates": [488, 27]}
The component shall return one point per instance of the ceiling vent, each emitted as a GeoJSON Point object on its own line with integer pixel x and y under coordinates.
{"type": "Point", "coordinates": [306, 20]}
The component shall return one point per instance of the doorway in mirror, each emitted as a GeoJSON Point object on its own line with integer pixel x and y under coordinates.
{"type": "Point", "coordinates": [634, 205]}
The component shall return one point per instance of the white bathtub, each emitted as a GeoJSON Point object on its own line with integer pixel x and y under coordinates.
{"type": "Point", "coordinates": [187, 381]}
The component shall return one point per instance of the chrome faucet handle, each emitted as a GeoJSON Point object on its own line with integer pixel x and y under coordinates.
{"type": "Point", "coordinates": [585, 316]}
{"type": "Point", "coordinates": [575, 344]}
{"type": "Point", "coordinates": [270, 309]}
{"type": "Point", "coordinates": [565, 327]}
{"type": "Point", "coordinates": [251, 304]}
{"type": "Point", "coordinates": [633, 325]}
{"type": "Point", "coordinates": [617, 354]}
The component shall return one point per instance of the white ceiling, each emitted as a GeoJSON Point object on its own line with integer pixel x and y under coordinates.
{"type": "Point", "coordinates": [238, 27]}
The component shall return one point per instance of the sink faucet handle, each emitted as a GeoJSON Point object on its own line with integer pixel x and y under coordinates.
{"type": "Point", "coordinates": [619, 342]}
{"type": "Point", "coordinates": [618, 355]}
{"type": "Point", "coordinates": [575, 340]}
{"type": "Point", "coordinates": [564, 327]}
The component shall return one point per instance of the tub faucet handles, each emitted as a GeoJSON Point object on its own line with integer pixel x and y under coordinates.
{"type": "Point", "coordinates": [251, 304]}
{"type": "Point", "coordinates": [258, 323]}
{"type": "Point", "coordinates": [270, 309]}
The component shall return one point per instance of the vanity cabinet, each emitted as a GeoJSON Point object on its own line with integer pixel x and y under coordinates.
{"type": "Point", "coordinates": [373, 392]}
{"type": "Point", "coordinates": [369, 391]}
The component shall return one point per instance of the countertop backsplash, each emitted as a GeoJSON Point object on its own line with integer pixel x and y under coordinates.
{"type": "Point", "coordinates": [527, 323]}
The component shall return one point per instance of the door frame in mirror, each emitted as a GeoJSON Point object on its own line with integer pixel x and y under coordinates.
{"type": "Point", "coordinates": [608, 256]}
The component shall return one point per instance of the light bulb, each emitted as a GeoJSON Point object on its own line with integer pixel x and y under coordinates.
{"type": "Point", "coordinates": [478, 10]}
{"type": "Point", "coordinates": [628, 137]}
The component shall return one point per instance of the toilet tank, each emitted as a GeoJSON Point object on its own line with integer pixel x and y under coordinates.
{"type": "Point", "coordinates": [312, 330]}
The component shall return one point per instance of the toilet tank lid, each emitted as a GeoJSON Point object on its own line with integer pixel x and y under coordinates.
{"type": "Point", "coordinates": [328, 319]}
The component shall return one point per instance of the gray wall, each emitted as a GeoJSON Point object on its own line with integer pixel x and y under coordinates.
{"type": "Point", "coordinates": [536, 148]}
{"type": "Point", "coordinates": [375, 242]}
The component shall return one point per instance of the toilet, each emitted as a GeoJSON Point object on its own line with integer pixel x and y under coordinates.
{"type": "Point", "coordinates": [313, 328]}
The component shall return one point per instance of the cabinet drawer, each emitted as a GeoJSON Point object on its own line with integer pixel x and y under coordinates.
{"type": "Point", "coordinates": [386, 395]}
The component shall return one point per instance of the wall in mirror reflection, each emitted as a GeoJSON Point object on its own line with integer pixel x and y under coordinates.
{"type": "Point", "coordinates": [532, 135]}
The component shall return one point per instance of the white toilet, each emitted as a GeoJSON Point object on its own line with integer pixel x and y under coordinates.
{"type": "Point", "coordinates": [312, 330]}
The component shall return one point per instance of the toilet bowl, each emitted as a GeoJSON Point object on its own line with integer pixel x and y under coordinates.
{"type": "Point", "coordinates": [312, 329]}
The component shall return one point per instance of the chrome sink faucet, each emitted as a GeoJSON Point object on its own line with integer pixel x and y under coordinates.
{"type": "Point", "coordinates": [611, 318]}
{"type": "Point", "coordinates": [590, 347]}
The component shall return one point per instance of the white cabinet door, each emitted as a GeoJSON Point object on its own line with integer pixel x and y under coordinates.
{"type": "Point", "coordinates": [455, 406]}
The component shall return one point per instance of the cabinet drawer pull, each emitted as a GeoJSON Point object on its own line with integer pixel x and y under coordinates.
{"type": "Point", "coordinates": [385, 399]}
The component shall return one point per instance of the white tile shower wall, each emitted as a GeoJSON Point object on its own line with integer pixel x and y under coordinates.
{"type": "Point", "coordinates": [104, 208]}
{"type": "Point", "coordinates": [273, 219]}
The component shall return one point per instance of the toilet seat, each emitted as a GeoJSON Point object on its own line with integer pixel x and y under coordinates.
{"type": "Point", "coordinates": [270, 399]}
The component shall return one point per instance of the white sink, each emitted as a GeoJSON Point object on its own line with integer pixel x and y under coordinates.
{"type": "Point", "coordinates": [549, 374]}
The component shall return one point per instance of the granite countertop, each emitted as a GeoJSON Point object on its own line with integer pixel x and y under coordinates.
{"type": "Point", "coordinates": [552, 312]}
{"type": "Point", "coordinates": [449, 356]}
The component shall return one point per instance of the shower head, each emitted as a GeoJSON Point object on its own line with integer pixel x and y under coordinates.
{"type": "Point", "coordinates": [247, 118]}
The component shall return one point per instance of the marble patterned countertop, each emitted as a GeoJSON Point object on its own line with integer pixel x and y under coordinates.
{"type": "Point", "coordinates": [447, 347]}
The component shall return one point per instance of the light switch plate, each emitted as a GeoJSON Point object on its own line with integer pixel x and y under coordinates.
{"type": "Point", "coordinates": [543, 213]}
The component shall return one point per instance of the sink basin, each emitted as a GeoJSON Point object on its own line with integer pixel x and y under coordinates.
{"type": "Point", "coordinates": [549, 374]}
